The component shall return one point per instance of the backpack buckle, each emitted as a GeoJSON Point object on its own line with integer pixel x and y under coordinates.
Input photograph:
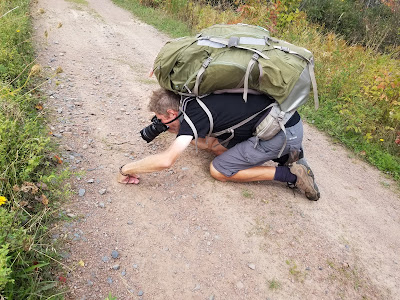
{"type": "Point", "coordinates": [285, 49]}
{"type": "Point", "coordinates": [233, 41]}
{"type": "Point", "coordinates": [207, 62]}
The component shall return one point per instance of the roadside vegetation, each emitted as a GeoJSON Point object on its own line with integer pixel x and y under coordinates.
{"type": "Point", "coordinates": [30, 185]}
{"type": "Point", "coordinates": [358, 86]}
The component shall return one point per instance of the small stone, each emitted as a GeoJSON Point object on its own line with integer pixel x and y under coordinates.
{"type": "Point", "coordinates": [105, 258]}
{"type": "Point", "coordinates": [280, 231]}
{"type": "Point", "coordinates": [90, 283]}
{"type": "Point", "coordinates": [85, 147]}
{"type": "Point", "coordinates": [140, 293]}
{"type": "Point", "coordinates": [135, 266]}
{"type": "Point", "coordinates": [129, 222]}
{"type": "Point", "coordinates": [102, 191]}
{"type": "Point", "coordinates": [240, 285]}
{"type": "Point", "coordinates": [65, 255]}
{"type": "Point", "coordinates": [252, 266]}
{"type": "Point", "coordinates": [114, 254]}
{"type": "Point", "coordinates": [71, 215]}
{"type": "Point", "coordinates": [115, 267]}
{"type": "Point", "coordinates": [91, 180]}
{"type": "Point", "coordinates": [102, 205]}
{"type": "Point", "coordinates": [212, 297]}
{"type": "Point", "coordinates": [82, 192]}
{"type": "Point", "coordinates": [123, 273]}
{"type": "Point", "coordinates": [109, 280]}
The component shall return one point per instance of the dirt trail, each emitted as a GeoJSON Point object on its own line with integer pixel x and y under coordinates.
{"type": "Point", "coordinates": [180, 234]}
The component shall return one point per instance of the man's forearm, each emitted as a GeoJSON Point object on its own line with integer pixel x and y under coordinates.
{"type": "Point", "coordinates": [157, 162]}
{"type": "Point", "coordinates": [152, 163]}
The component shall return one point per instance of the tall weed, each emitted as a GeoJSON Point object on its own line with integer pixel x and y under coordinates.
{"type": "Point", "coordinates": [15, 48]}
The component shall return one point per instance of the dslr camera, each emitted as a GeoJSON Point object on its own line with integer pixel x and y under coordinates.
{"type": "Point", "coordinates": [150, 132]}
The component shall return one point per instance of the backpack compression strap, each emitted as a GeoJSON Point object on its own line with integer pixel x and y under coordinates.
{"type": "Point", "coordinates": [250, 66]}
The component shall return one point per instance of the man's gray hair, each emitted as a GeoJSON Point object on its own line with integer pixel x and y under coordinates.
{"type": "Point", "coordinates": [161, 100]}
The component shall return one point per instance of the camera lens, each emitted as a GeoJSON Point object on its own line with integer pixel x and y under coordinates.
{"type": "Point", "coordinates": [150, 132]}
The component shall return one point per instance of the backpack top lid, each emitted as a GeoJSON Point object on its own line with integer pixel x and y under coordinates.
{"type": "Point", "coordinates": [239, 30]}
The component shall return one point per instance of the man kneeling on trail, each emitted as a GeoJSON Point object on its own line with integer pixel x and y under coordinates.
{"type": "Point", "coordinates": [241, 158]}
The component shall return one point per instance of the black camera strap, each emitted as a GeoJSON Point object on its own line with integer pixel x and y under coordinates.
{"type": "Point", "coordinates": [180, 114]}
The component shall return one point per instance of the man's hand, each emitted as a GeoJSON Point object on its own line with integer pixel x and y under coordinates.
{"type": "Point", "coordinates": [154, 163]}
{"type": "Point", "coordinates": [132, 179]}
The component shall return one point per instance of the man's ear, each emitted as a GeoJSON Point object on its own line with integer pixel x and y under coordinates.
{"type": "Point", "coordinates": [172, 113]}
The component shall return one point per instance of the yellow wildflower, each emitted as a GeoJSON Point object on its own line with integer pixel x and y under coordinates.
{"type": "Point", "coordinates": [2, 200]}
{"type": "Point", "coordinates": [18, 30]}
{"type": "Point", "coordinates": [381, 140]}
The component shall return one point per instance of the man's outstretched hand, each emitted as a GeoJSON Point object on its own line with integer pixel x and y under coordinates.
{"type": "Point", "coordinates": [131, 179]}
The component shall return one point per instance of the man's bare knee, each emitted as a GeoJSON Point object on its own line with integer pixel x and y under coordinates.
{"type": "Point", "coordinates": [217, 175]}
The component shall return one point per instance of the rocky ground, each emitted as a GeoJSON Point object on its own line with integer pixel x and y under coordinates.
{"type": "Point", "coordinates": [180, 234]}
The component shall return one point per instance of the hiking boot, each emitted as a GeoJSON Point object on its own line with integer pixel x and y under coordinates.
{"type": "Point", "coordinates": [290, 158]}
{"type": "Point", "coordinates": [305, 179]}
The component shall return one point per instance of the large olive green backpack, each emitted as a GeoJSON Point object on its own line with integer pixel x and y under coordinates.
{"type": "Point", "coordinates": [238, 58]}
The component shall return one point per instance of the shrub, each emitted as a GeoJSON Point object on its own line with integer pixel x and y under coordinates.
{"type": "Point", "coordinates": [371, 23]}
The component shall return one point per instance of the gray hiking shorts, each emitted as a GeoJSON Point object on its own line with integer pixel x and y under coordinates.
{"type": "Point", "coordinates": [244, 155]}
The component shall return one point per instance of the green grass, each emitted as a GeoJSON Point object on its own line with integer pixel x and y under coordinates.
{"type": "Point", "coordinates": [247, 194]}
{"type": "Point", "coordinates": [274, 284]}
{"type": "Point", "coordinates": [15, 48]}
{"type": "Point", "coordinates": [156, 17]}
{"type": "Point", "coordinates": [79, 2]}
{"type": "Point", "coordinates": [298, 275]}
{"type": "Point", "coordinates": [29, 181]}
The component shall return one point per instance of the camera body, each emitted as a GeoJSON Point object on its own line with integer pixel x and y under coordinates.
{"type": "Point", "coordinates": [150, 132]}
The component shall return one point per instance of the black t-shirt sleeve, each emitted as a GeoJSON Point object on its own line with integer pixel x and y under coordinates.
{"type": "Point", "coordinates": [198, 117]}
